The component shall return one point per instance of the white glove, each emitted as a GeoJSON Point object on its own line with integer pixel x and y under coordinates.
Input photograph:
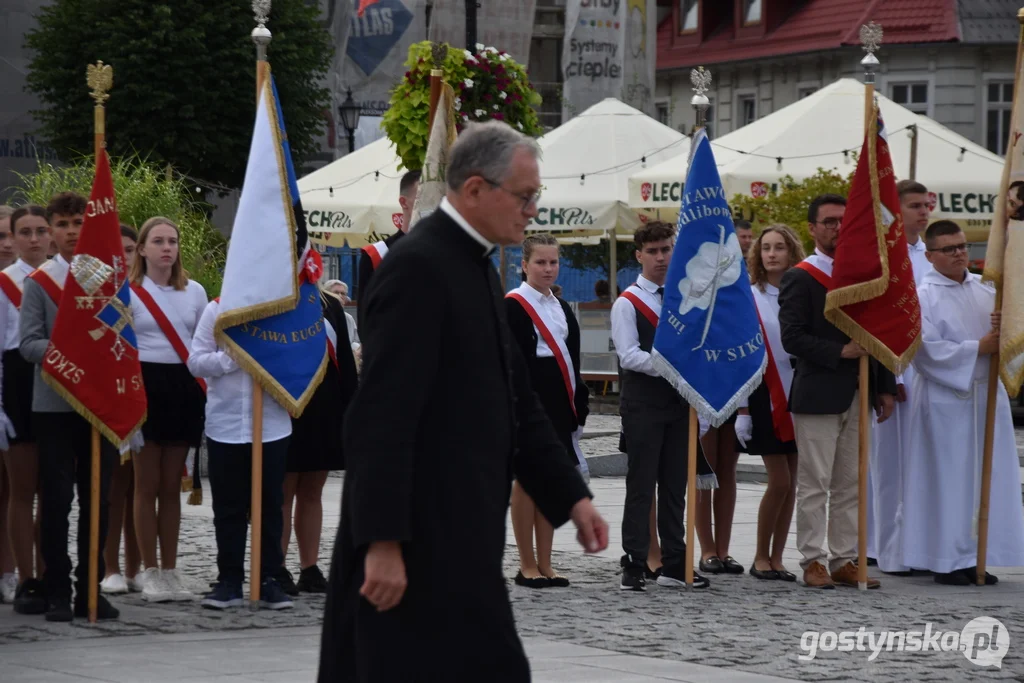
{"type": "Point", "coordinates": [744, 429]}
{"type": "Point", "coordinates": [704, 425]}
{"type": "Point", "coordinates": [6, 431]}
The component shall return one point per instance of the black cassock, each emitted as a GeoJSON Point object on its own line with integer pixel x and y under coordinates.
{"type": "Point", "coordinates": [443, 417]}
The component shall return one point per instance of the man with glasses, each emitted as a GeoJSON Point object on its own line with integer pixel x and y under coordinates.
{"type": "Point", "coordinates": [825, 407]}
{"type": "Point", "coordinates": [959, 334]}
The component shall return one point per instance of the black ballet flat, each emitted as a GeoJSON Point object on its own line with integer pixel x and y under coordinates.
{"type": "Point", "coordinates": [712, 565]}
{"type": "Point", "coordinates": [785, 576]}
{"type": "Point", "coordinates": [764, 574]}
{"type": "Point", "coordinates": [731, 566]}
{"type": "Point", "coordinates": [539, 582]}
{"type": "Point", "coordinates": [558, 581]}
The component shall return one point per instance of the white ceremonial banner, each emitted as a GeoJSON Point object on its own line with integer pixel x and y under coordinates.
{"type": "Point", "coordinates": [593, 54]}
{"type": "Point", "coordinates": [506, 25]}
{"type": "Point", "coordinates": [641, 47]}
{"type": "Point", "coordinates": [377, 47]}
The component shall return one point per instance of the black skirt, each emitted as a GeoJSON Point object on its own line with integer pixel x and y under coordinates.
{"type": "Point", "coordinates": [315, 445]}
{"type": "Point", "coordinates": [549, 384]}
{"type": "Point", "coordinates": [764, 442]}
{"type": "Point", "coordinates": [19, 376]}
{"type": "Point", "coordinates": [176, 405]}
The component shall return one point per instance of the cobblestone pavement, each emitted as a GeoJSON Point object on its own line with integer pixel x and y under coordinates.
{"type": "Point", "coordinates": [739, 624]}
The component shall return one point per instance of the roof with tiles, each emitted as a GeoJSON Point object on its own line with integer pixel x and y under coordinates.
{"type": "Point", "coordinates": [796, 26]}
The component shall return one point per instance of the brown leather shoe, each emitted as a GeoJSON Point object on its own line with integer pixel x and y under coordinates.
{"type": "Point", "coordinates": [847, 576]}
{"type": "Point", "coordinates": [816, 576]}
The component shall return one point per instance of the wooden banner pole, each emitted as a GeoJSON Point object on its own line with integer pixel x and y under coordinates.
{"type": "Point", "coordinates": [986, 454]}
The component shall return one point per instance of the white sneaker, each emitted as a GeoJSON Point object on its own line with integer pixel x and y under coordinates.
{"type": "Point", "coordinates": [174, 584]}
{"type": "Point", "coordinates": [114, 585]}
{"type": "Point", "coordinates": [8, 587]}
{"type": "Point", "coordinates": [134, 583]}
{"type": "Point", "coordinates": [154, 587]}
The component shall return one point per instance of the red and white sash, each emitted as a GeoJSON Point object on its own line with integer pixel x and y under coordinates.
{"type": "Point", "coordinates": [171, 325]}
{"type": "Point", "coordinates": [818, 267]}
{"type": "Point", "coordinates": [377, 251]}
{"type": "Point", "coordinates": [557, 345]}
{"type": "Point", "coordinates": [12, 281]}
{"type": "Point", "coordinates": [43, 275]}
{"type": "Point", "coordinates": [332, 342]}
{"type": "Point", "coordinates": [641, 306]}
{"type": "Point", "coordinates": [778, 374]}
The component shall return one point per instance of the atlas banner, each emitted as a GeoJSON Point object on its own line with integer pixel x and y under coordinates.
{"type": "Point", "coordinates": [641, 37]}
{"type": "Point", "coordinates": [506, 26]}
{"type": "Point", "coordinates": [593, 54]}
{"type": "Point", "coordinates": [377, 47]}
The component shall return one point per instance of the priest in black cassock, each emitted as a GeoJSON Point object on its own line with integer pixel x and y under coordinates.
{"type": "Point", "coordinates": [443, 419]}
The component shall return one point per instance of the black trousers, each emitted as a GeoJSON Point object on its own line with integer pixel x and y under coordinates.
{"type": "Point", "coordinates": [231, 481]}
{"type": "Point", "coordinates": [64, 441]}
{"type": "Point", "coordinates": [656, 453]}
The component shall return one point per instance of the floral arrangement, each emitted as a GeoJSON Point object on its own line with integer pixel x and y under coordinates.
{"type": "Point", "coordinates": [488, 84]}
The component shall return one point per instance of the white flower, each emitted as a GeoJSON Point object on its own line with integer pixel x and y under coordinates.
{"type": "Point", "coordinates": [492, 50]}
{"type": "Point", "coordinates": [468, 82]}
{"type": "Point", "coordinates": [503, 58]}
{"type": "Point", "coordinates": [479, 113]}
{"type": "Point", "coordinates": [495, 107]}
{"type": "Point", "coordinates": [479, 47]}
{"type": "Point", "coordinates": [710, 270]}
{"type": "Point", "coordinates": [469, 55]}
{"type": "Point", "coordinates": [503, 94]}
{"type": "Point", "coordinates": [520, 124]}
{"type": "Point", "coordinates": [458, 103]}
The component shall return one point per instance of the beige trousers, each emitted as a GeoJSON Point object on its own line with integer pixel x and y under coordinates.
{"type": "Point", "coordinates": [827, 480]}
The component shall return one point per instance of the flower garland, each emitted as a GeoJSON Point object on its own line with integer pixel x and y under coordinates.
{"type": "Point", "coordinates": [488, 85]}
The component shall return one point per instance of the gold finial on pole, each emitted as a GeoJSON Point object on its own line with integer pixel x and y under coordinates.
{"type": "Point", "coordinates": [100, 79]}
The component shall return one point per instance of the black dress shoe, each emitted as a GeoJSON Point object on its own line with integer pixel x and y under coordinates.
{"type": "Point", "coordinates": [59, 609]}
{"type": "Point", "coordinates": [539, 582]}
{"type": "Point", "coordinates": [957, 578]}
{"type": "Point", "coordinates": [764, 574]}
{"type": "Point", "coordinates": [104, 610]}
{"type": "Point", "coordinates": [731, 566]}
{"type": "Point", "coordinates": [712, 565]}
{"type": "Point", "coordinates": [972, 575]}
{"type": "Point", "coordinates": [872, 562]}
{"type": "Point", "coordinates": [30, 597]}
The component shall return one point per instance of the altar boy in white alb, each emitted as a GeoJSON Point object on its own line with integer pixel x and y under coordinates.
{"type": "Point", "coordinates": [959, 334]}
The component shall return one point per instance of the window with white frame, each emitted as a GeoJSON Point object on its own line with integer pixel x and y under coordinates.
{"type": "Point", "coordinates": [661, 112]}
{"type": "Point", "coordinates": [998, 114]}
{"type": "Point", "coordinates": [746, 109]}
{"type": "Point", "coordinates": [911, 94]}
{"type": "Point", "coordinates": [751, 12]}
{"type": "Point", "coordinates": [688, 15]}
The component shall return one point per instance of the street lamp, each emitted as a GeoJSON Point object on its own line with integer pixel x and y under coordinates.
{"type": "Point", "coordinates": [349, 112]}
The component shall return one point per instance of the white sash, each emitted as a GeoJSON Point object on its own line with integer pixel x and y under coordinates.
{"type": "Point", "coordinates": [17, 273]}
{"type": "Point", "coordinates": [173, 316]}
{"type": "Point", "coordinates": [332, 336]}
{"type": "Point", "coordinates": [767, 306]}
{"type": "Point", "coordinates": [561, 349]}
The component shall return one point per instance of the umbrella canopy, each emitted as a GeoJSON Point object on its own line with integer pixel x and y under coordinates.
{"type": "Point", "coordinates": [588, 161]}
{"type": "Point", "coordinates": [354, 200]}
{"type": "Point", "coordinates": [812, 133]}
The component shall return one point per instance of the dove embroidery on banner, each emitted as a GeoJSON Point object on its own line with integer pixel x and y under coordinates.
{"type": "Point", "coordinates": [713, 266]}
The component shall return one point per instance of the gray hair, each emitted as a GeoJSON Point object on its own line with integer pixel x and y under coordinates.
{"type": "Point", "coordinates": [486, 149]}
{"type": "Point", "coordinates": [330, 283]}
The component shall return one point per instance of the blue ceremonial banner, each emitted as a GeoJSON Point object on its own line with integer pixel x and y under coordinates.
{"type": "Point", "coordinates": [271, 321]}
{"type": "Point", "coordinates": [708, 344]}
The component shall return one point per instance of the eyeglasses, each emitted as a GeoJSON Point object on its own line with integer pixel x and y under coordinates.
{"type": "Point", "coordinates": [952, 249]}
{"type": "Point", "coordinates": [831, 223]}
{"type": "Point", "coordinates": [528, 199]}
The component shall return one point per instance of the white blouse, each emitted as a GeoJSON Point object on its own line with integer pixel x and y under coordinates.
{"type": "Point", "coordinates": [10, 317]}
{"type": "Point", "coordinates": [183, 307]}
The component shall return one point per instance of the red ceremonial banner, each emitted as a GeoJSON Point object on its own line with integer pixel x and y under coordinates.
{"type": "Point", "coordinates": [873, 297]}
{"type": "Point", "coordinates": [93, 357]}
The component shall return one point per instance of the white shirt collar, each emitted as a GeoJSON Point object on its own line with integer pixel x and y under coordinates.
{"type": "Point", "coordinates": [447, 207]}
{"type": "Point", "coordinates": [830, 260]}
{"type": "Point", "coordinates": [646, 285]}
{"type": "Point", "coordinates": [25, 267]}
{"type": "Point", "coordinates": [535, 296]}
{"type": "Point", "coordinates": [917, 246]}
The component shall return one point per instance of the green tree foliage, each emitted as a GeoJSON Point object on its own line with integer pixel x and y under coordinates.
{"type": "Point", "coordinates": [184, 78]}
{"type": "Point", "coordinates": [788, 205]}
{"type": "Point", "coordinates": [142, 190]}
